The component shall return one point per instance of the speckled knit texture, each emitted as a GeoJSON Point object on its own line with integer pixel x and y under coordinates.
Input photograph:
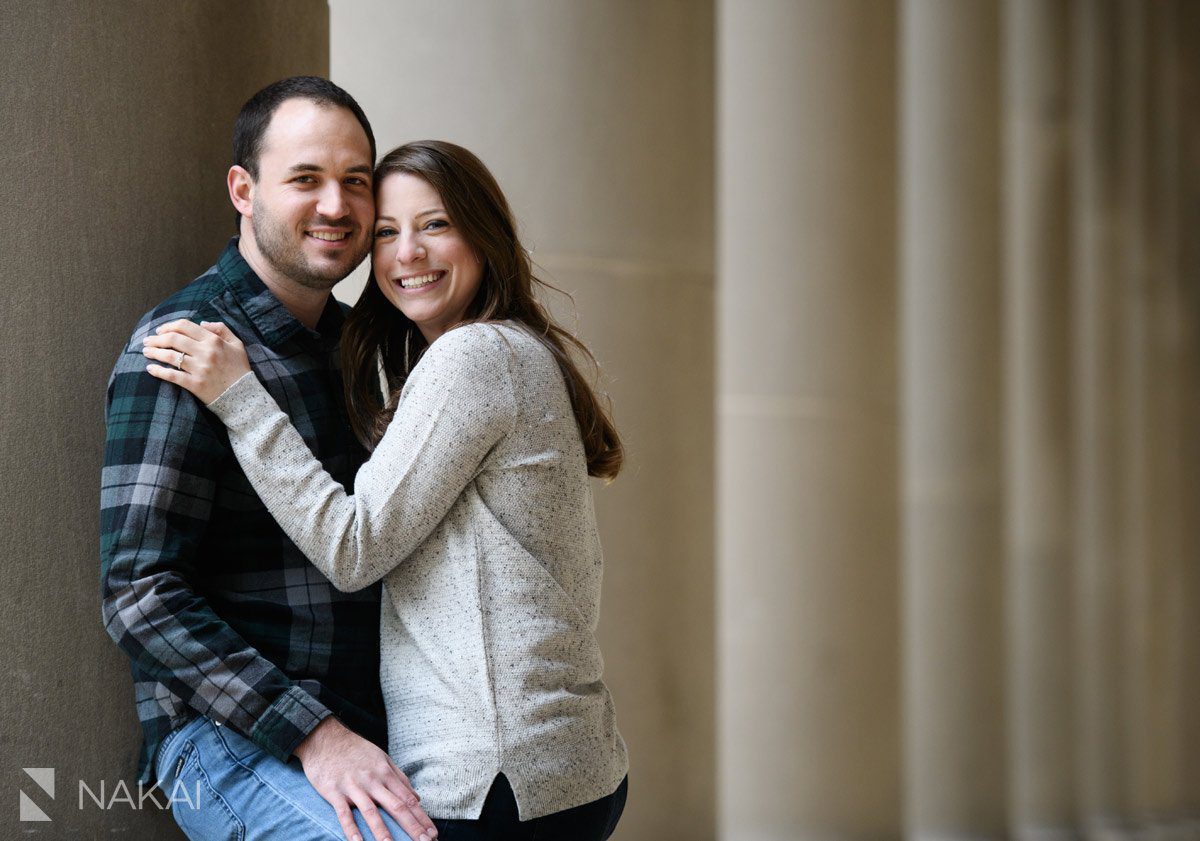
{"type": "Point", "coordinates": [475, 510]}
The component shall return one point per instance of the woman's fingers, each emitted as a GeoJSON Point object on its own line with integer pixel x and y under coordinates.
{"type": "Point", "coordinates": [169, 374]}
{"type": "Point", "coordinates": [213, 362]}
{"type": "Point", "coordinates": [175, 341]}
{"type": "Point", "coordinates": [222, 332]}
{"type": "Point", "coordinates": [172, 375]}
{"type": "Point", "coordinates": [166, 354]}
{"type": "Point", "coordinates": [182, 325]}
{"type": "Point", "coordinates": [207, 371]}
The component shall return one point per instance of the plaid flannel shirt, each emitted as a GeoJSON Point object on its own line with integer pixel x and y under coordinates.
{"type": "Point", "coordinates": [218, 611]}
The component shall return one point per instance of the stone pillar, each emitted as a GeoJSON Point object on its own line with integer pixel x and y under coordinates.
{"type": "Point", "coordinates": [1037, 421]}
{"type": "Point", "coordinates": [806, 506]}
{"type": "Point", "coordinates": [955, 751]}
{"type": "Point", "coordinates": [114, 144]}
{"type": "Point", "coordinates": [1103, 760]}
{"type": "Point", "coordinates": [597, 119]}
{"type": "Point", "coordinates": [1142, 569]}
{"type": "Point", "coordinates": [1166, 433]}
{"type": "Point", "coordinates": [1186, 41]}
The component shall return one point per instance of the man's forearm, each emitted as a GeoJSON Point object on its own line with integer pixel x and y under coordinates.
{"type": "Point", "coordinates": [173, 637]}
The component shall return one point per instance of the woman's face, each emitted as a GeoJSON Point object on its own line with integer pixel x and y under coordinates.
{"type": "Point", "coordinates": [422, 263]}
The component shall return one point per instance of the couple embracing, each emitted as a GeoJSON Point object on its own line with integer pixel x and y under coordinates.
{"type": "Point", "coordinates": [361, 606]}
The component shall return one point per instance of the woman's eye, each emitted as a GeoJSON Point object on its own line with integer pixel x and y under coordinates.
{"type": "Point", "coordinates": [436, 224]}
{"type": "Point", "coordinates": [385, 232]}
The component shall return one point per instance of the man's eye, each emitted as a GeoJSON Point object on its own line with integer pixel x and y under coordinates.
{"type": "Point", "coordinates": [356, 181]}
{"type": "Point", "coordinates": [304, 179]}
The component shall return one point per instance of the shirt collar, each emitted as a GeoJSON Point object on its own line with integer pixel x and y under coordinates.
{"type": "Point", "coordinates": [273, 321]}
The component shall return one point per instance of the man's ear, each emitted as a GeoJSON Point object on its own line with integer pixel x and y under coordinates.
{"type": "Point", "coordinates": [241, 190]}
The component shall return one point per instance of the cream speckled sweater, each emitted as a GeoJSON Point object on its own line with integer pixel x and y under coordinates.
{"type": "Point", "coordinates": [475, 510]}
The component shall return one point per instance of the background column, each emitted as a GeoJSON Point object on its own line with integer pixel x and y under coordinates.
{"type": "Point", "coordinates": [1103, 759]}
{"type": "Point", "coordinates": [1166, 433]}
{"type": "Point", "coordinates": [1142, 603]}
{"type": "Point", "coordinates": [955, 750]}
{"type": "Point", "coordinates": [1186, 39]}
{"type": "Point", "coordinates": [806, 507]}
{"type": "Point", "coordinates": [114, 146]}
{"type": "Point", "coordinates": [1038, 588]}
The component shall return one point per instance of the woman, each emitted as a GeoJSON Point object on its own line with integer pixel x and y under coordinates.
{"type": "Point", "coordinates": [474, 507]}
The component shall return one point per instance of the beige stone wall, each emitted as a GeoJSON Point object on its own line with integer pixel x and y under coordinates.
{"type": "Point", "coordinates": [114, 143]}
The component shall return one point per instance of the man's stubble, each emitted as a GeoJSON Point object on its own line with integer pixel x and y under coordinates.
{"type": "Point", "coordinates": [287, 257]}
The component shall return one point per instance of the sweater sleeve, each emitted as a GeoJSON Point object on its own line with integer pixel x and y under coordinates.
{"type": "Point", "coordinates": [457, 405]}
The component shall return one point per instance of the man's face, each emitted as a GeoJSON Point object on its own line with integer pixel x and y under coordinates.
{"type": "Point", "coordinates": [313, 209]}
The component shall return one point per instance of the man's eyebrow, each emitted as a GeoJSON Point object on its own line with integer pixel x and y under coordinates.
{"type": "Point", "coordinates": [302, 167]}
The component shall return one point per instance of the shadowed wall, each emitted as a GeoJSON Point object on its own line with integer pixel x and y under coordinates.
{"type": "Point", "coordinates": [114, 145]}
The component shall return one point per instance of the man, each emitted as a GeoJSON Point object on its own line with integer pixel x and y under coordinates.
{"type": "Point", "coordinates": [254, 678]}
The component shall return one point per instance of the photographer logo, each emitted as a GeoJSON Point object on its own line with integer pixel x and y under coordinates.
{"type": "Point", "coordinates": [44, 777]}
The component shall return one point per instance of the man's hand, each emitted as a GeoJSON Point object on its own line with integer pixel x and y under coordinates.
{"type": "Point", "coordinates": [352, 773]}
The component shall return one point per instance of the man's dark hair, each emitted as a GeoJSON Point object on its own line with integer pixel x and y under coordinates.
{"type": "Point", "coordinates": [256, 114]}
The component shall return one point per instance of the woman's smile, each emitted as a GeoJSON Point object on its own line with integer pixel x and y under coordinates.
{"type": "Point", "coordinates": [419, 282]}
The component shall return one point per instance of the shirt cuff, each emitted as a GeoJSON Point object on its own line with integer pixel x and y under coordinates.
{"type": "Point", "coordinates": [241, 400]}
{"type": "Point", "coordinates": [287, 722]}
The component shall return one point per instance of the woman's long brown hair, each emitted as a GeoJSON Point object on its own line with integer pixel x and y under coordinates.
{"type": "Point", "coordinates": [377, 331]}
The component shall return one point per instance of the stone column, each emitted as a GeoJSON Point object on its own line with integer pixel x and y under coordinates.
{"type": "Point", "coordinates": [597, 120]}
{"type": "Point", "coordinates": [114, 144]}
{"type": "Point", "coordinates": [806, 506]}
{"type": "Point", "coordinates": [1037, 421]}
{"type": "Point", "coordinates": [1103, 759]}
{"type": "Point", "coordinates": [955, 751]}
{"type": "Point", "coordinates": [1143, 688]}
{"type": "Point", "coordinates": [1166, 432]}
{"type": "Point", "coordinates": [1186, 41]}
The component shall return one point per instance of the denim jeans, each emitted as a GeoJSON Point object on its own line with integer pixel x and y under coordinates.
{"type": "Point", "coordinates": [223, 787]}
{"type": "Point", "coordinates": [594, 821]}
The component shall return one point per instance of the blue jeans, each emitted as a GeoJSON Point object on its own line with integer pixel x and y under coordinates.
{"type": "Point", "coordinates": [223, 787]}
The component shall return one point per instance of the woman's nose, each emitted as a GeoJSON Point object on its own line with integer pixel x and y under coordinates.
{"type": "Point", "coordinates": [410, 250]}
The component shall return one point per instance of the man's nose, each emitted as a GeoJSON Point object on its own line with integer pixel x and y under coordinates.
{"type": "Point", "coordinates": [332, 203]}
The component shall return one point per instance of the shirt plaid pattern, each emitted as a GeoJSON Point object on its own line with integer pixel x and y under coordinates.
{"type": "Point", "coordinates": [218, 611]}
